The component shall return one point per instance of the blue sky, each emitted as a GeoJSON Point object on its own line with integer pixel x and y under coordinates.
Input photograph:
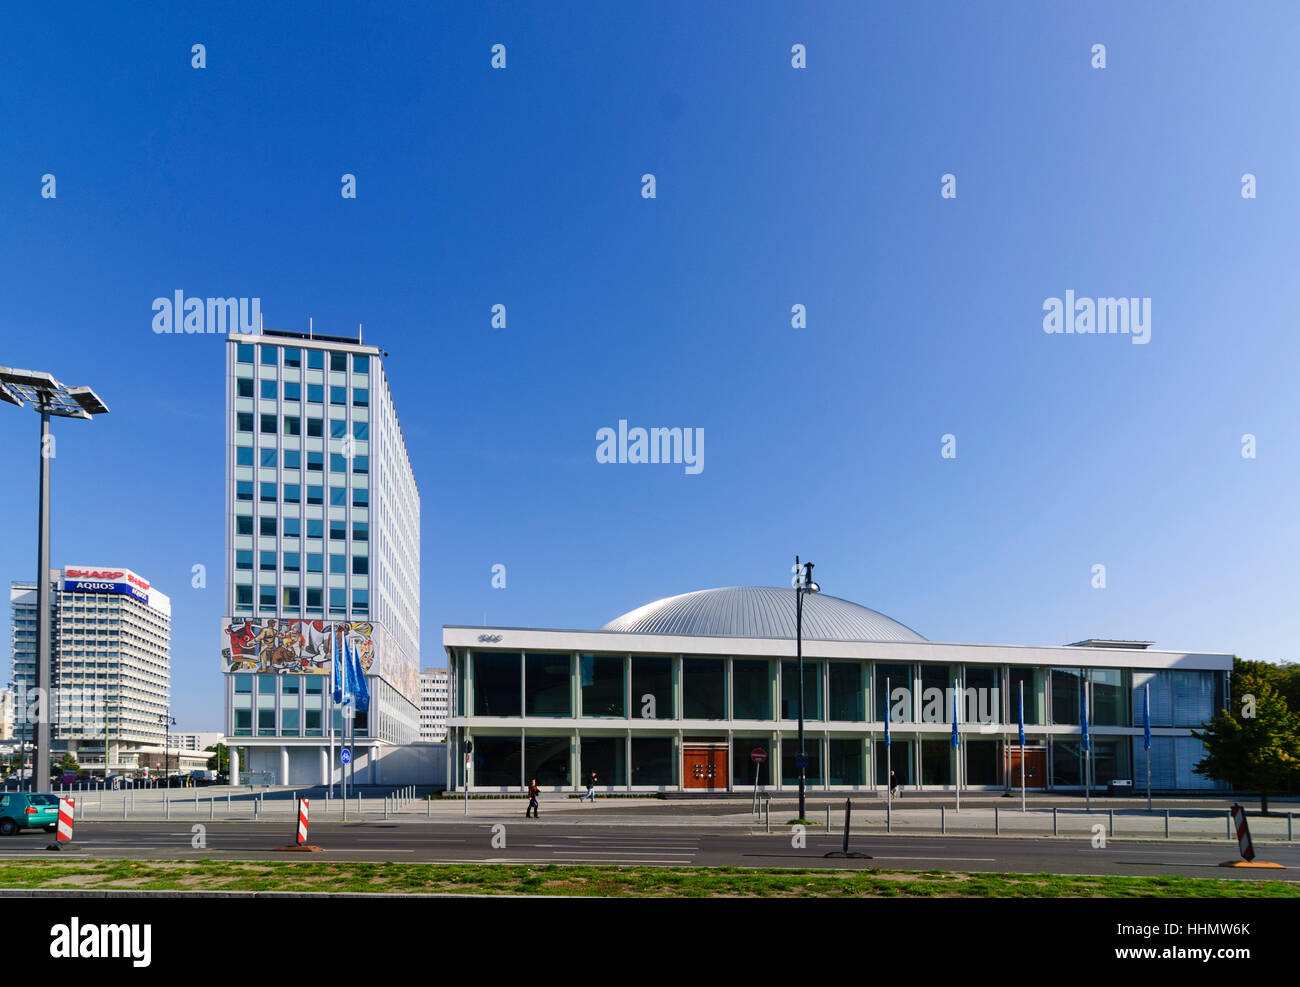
{"type": "Point", "coordinates": [775, 186]}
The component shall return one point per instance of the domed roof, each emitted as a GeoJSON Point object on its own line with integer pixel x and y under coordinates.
{"type": "Point", "coordinates": [761, 611]}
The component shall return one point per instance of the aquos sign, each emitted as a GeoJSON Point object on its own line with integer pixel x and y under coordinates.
{"type": "Point", "coordinates": [90, 580]}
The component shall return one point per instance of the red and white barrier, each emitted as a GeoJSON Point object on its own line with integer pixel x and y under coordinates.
{"type": "Point", "coordinates": [1243, 833]}
{"type": "Point", "coordinates": [67, 813]}
{"type": "Point", "coordinates": [303, 806]}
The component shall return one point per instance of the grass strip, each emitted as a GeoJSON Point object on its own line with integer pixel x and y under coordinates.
{"type": "Point", "coordinates": [618, 882]}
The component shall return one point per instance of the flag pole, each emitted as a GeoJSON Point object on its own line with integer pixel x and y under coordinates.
{"type": "Point", "coordinates": [331, 716]}
{"type": "Point", "coordinates": [1087, 744]}
{"type": "Point", "coordinates": [1146, 723]}
{"type": "Point", "coordinates": [1022, 745]}
{"type": "Point", "coordinates": [889, 767]}
{"type": "Point", "coordinates": [956, 743]}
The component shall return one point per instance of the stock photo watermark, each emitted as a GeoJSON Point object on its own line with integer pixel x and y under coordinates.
{"type": "Point", "coordinates": [681, 446]}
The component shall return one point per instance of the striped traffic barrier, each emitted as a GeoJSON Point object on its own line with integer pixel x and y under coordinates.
{"type": "Point", "coordinates": [1245, 844]}
{"type": "Point", "coordinates": [300, 837]}
{"type": "Point", "coordinates": [63, 830]}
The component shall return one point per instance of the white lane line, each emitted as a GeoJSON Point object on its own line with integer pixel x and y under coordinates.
{"type": "Point", "coordinates": [621, 856]}
{"type": "Point", "coordinates": [889, 856]}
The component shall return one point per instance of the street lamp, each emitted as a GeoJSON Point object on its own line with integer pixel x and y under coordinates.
{"type": "Point", "coordinates": [167, 721]}
{"type": "Point", "coordinates": [48, 397]}
{"type": "Point", "coordinates": [803, 584]}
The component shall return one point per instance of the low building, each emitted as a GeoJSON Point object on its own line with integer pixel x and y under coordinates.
{"type": "Point", "coordinates": [680, 693]}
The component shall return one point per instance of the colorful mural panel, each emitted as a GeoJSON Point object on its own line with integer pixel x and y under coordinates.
{"type": "Point", "coordinates": [301, 647]}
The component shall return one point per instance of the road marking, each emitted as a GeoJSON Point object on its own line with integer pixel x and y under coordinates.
{"type": "Point", "coordinates": [890, 856]}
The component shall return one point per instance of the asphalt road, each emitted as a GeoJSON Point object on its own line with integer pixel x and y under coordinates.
{"type": "Point", "coordinates": [555, 841]}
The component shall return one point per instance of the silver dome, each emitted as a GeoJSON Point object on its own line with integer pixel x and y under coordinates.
{"type": "Point", "coordinates": [761, 612]}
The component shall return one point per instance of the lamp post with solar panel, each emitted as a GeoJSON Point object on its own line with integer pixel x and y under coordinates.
{"type": "Point", "coordinates": [48, 397]}
{"type": "Point", "coordinates": [803, 583]}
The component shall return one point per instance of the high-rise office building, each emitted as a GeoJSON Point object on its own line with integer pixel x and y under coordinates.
{"type": "Point", "coordinates": [433, 705]}
{"type": "Point", "coordinates": [110, 663]}
{"type": "Point", "coordinates": [322, 553]}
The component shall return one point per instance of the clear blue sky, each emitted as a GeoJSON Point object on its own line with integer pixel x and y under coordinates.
{"type": "Point", "coordinates": [776, 186]}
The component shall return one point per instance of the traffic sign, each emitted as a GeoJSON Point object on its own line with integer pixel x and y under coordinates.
{"type": "Point", "coordinates": [758, 755]}
{"type": "Point", "coordinates": [346, 755]}
{"type": "Point", "coordinates": [801, 762]}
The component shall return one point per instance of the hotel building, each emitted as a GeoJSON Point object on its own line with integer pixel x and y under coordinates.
{"type": "Point", "coordinates": [110, 663]}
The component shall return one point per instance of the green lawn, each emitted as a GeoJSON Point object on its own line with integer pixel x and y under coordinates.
{"type": "Point", "coordinates": [622, 882]}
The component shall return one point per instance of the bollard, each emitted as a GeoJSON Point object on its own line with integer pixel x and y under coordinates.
{"type": "Point", "coordinates": [167, 806]}
{"type": "Point", "coordinates": [767, 813]}
{"type": "Point", "coordinates": [828, 818]}
{"type": "Point", "coordinates": [227, 803]}
{"type": "Point", "coordinates": [358, 803]}
{"type": "Point", "coordinates": [124, 805]}
{"type": "Point", "coordinates": [1055, 829]}
{"type": "Point", "coordinates": [943, 820]}
{"type": "Point", "coordinates": [1290, 827]}
{"type": "Point", "coordinates": [428, 807]}
{"type": "Point", "coordinates": [1231, 834]}
{"type": "Point", "coordinates": [385, 806]}
{"type": "Point", "coordinates": [1166, 824]}
{"type": "Point", "coordinates": [1111, 821]}
{"type": "Point", "coordinates": [212, 810]}
{"type": "Point", "coordinates": [196, 801]}
{"type": "Point", "coordinates": [997, 822]}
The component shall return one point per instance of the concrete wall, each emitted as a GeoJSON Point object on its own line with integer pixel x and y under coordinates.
{"type": "Point", "coordinates": [414, 764]}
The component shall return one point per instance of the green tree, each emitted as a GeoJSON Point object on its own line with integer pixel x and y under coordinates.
{"type": "Point", "coordinates": [1256, 746]}
{"type": "Point", "coordinates": [220, 759]}
{"type": "Point", "coordinates": [68, 762]}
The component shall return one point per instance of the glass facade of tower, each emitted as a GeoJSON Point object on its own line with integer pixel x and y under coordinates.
{"type": "Point", "coordinates": [323, 547]}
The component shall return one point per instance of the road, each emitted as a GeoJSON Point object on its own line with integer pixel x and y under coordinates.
{"type": "Point", "coordinates": [558, 841]}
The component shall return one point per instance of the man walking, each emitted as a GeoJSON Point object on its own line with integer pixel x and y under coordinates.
{"type": "Point", "coordinates": [591, 789]}
{"type": "Point", "coordinates": [533, 792]}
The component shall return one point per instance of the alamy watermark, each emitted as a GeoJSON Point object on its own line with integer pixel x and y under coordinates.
{"type": "Point", "coordinates": [1089, 316]}
{"type": "Point", "coordinates": [179, 314]}
{"type": "Point", "coordinates": [684, 446]}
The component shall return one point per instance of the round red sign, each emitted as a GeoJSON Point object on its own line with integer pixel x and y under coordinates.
{"type": "Point", "coordinates": [758, 755]}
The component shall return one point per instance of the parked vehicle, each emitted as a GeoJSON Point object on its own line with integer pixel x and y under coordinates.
{"type": "Point", "coordinates": [120, 781]}
{"type": "Point", "coordinates": [28, 810]}
{"type": "Point", "coordinates": [201, 776]}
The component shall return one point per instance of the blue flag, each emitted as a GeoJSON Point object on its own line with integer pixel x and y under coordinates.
{"type": "Point", "coordinates": [1146, 717]}
{"type": "Point", "coordinates": [886, 712]}
{"type": "Point", "coordinates": [956, 698]}
{"type": "Point", "coordinates": [1021, 717]}
{"type": "Point", "coordinates": [360, 687]}
{"type": "Point", "coordinates": [336, 669]}
{"type": "Point", "coordinates": [1083, 713]}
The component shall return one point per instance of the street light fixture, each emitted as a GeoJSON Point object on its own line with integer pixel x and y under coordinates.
{"type": "Point", "coordinates": [168, 721]}
{"type": "Point", "coordinates": [48, 397]}
{"type": "Point", "coordinates": [803, 584]}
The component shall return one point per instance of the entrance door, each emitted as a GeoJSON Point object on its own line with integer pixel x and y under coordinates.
{"type": "Point", "coordinates": [704, 767]}
{"type": "Point", "coordinates": [1034, 760]}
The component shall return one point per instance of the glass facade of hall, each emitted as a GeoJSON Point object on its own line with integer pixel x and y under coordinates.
{"type": "Point", "coordinates": [557, 716]}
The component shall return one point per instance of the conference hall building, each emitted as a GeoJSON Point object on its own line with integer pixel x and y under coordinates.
{"type": "Point", "coordinates": [677, 695]}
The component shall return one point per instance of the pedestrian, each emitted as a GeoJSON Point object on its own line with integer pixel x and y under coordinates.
{"type": "Point", "coordinates": [591, 789]}
{"type": "Point", "coordinates": [893, 784]}
{"type": "Point", "coordinates": [533, 792]}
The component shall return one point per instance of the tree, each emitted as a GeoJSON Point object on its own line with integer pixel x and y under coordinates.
{"type": "Point", "coordinates": [68, 762]}
{"type": "Point", "coordinates": [1260, 752]}
{"type": "Point", "coordinates": [220, 759]}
